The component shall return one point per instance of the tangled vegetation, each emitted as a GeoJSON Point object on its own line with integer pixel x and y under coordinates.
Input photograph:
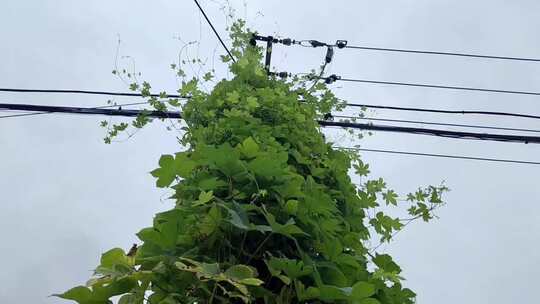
{"type": "Point", "coordinates": [265, 210]}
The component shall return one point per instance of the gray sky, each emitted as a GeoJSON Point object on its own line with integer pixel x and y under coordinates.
{"type": "Point", "coordinates": [67, 197]}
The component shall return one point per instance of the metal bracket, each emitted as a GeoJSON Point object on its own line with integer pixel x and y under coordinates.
{"type": "Point", "coordinates": [331, 79]}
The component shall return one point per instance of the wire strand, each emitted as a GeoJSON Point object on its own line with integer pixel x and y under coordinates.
{"type": "Point", "coordinates": [215, 31]}
{"type": "Point", "coordinates": [59, 91]}
{"type": "Point", "coordinates": [437, 123]}
{"type": "Point", "coordinates": [433, 86]}
{"type": "Point", "coordinates": [433, 132]}
{"type": "Point", "coordinates": [62, 91]}
{"type": "Point", "coordinates": [441, 53]}
{"type": "Point", "coordinates": [323, 123]}
{"type": "Point", "coordinates": [340, 44]}
{"type": "Point", "coordinates": [359, 105]}
{"type": "Point", "coordinates": [100, 107]}
{"type": "Point", "coordinates": [444, 156]}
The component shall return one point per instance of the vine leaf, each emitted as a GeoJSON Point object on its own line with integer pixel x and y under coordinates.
{"type": "Point", "coordinates": [170, 167]}
{"type": "Point", "coordinates": [362, 290]}
{"type": "Point", "coordinates": [204, 198]}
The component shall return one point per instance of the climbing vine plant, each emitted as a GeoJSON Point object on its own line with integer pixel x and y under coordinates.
{"type": "Point", "coordinates": [265, 210]}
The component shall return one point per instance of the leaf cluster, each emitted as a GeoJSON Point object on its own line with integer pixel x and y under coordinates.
{"type": "Point", "coordinates": [265, 210]}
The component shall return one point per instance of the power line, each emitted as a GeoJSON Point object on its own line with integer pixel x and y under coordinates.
{"type": "Point", "coordinates": [441, 53]}
{"type": "Point", "coordinates": [89, 111]}
{"type": "Point", "coordinates": [344, 44]}
{"type": "Point", "coordinates": [358, 105]}
{"type": "Point", "coordinates": [100, 107]}
{"type": "Point", "coordinates": [433, 132]}
{"type": "Point", "coordinates": [215, 32]}
{"type": "Point", "coordinates": [437, 123]}
{"type": "Point", "coordinates": [323, 123]}
{"type": "Point", "coordinates": [62, 91]}
{"type": "Point", "coordinates": [445, 156]}
{"type": "Point", "coordinates": [433, 86]}
{"type": "Point", "coordinates": [55, 91]}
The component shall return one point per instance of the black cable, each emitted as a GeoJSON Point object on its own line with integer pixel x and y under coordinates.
{"type": "Point", "coordinates": [445, 156]}
{"type": "Point", "coordinates": [100, 107]}
{"type": "Point", "coordinates": [91, 111]}
{"type": "Point", "coordinates": [433, 132]}
{"type": "Point", "coordinates": [88, 92]}
{"type": "Point", "coordinates": [57, 91]}
{"type": "Point", "coordinates": [441, 111]}
{"type": "Point", "coordinates": [324, 123]}
{"type": "Point", "coordinates": [433, 86]}
{"type": "Point", "coordinates": [437, 123]}
{"type": "Point", "coordinates": [441, 53]}
{"type": "Point", "coordinates": [215, 32]}
{"type": "Point", "coordinates": [344, 44]}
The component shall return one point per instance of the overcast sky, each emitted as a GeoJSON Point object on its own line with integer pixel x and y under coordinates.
{"type": "Point", "coordinates": [67, 197]}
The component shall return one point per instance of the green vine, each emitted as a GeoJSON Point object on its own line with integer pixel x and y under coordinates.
{"type": "Point", "coordinates": [265, 209]}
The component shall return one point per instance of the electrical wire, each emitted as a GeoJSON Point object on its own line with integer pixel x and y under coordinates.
{"type": "Point", "coordinates": [437, 123]}
{"type": "Point", "coordinates": [55, 91]}
{"type": "Point", "coordinates": [215, 32]}
{"type": "Point", "coordinates": [343, 44]}
{"type": "Point", "coordinates": [359, 105]}
{"type": "Point", "coordinates": [444, 156]}
{"type": "Point", "coordinates": [100, 107]}
{"type": "Point", "coordinates": [441, 53]}
{"type": "Point", "coordinates": [323, 123]}
{"type": "Point", "coordinates": [433, 132]}
{"type": "Point", "coordinates": [433, 86]}
{"type": "Point", "coordinates": [61, 91]}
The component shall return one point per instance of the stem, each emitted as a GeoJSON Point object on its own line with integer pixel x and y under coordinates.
{"type": "Point", "coordinates": [213, 293]}
{"type": "Point", "coordinates": [242, 244]}
{"type": "Point", "coordinates": [259, 247]}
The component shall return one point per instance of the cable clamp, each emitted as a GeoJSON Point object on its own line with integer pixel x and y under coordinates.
{"type": "Point", "coordinates": [284, 41]}
{"type": "Point", "coordinates": [341, 44]}
{"type": "Point", "coordinates": [280, 74]}
{"type": "Point", "coordinates": [331, 79]}
{"type": "Point", "coordinates": [311, 43]}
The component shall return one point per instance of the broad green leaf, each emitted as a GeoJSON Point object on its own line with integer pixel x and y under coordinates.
{"type": "Point", "coordinates": [332, 275]}
{"type": "Point", "coordinates": [291, 206]}
{"type": "Point", "coordinates": [233, 97]}
{"type": "Point", "coordinates": [292, 268]}
{"type": "Point", "coordinates": [183, 164]}
{"type": "Point", "coordinates": [288, 229]}
{"type": "Point", "coordinates": [252, 102]}
{"type": "Point", "coordinates": [362, 290]}
{"type": "Point", "coordinates": [249, 147]}
{"type": "Point", "coordinates": [114, 256]}
{"type": "Point", "coordinates": [265, 167]}
{"type": "Point", "coordinates": [384, 261]}
{"type": "Point", "coordinates": [204, 197]}
{"type": "Point", "coordinates": [240, 272]}
{"type": "Point", "coordinates": [165, 174]}
{"type": "Point", "coordinates": [150, 235]}
{"type": "Point", "coordinates": [330, 293]}
{"type": "Point", "coordinates": [211, 221]}
{"type": "Point", "coordinates": [171, 167]}
{"type": "Point", "coordinates": [80, 294]}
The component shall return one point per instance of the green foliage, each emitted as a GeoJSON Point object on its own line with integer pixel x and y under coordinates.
{"type": "Point", "coordinates": [266, 211]}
